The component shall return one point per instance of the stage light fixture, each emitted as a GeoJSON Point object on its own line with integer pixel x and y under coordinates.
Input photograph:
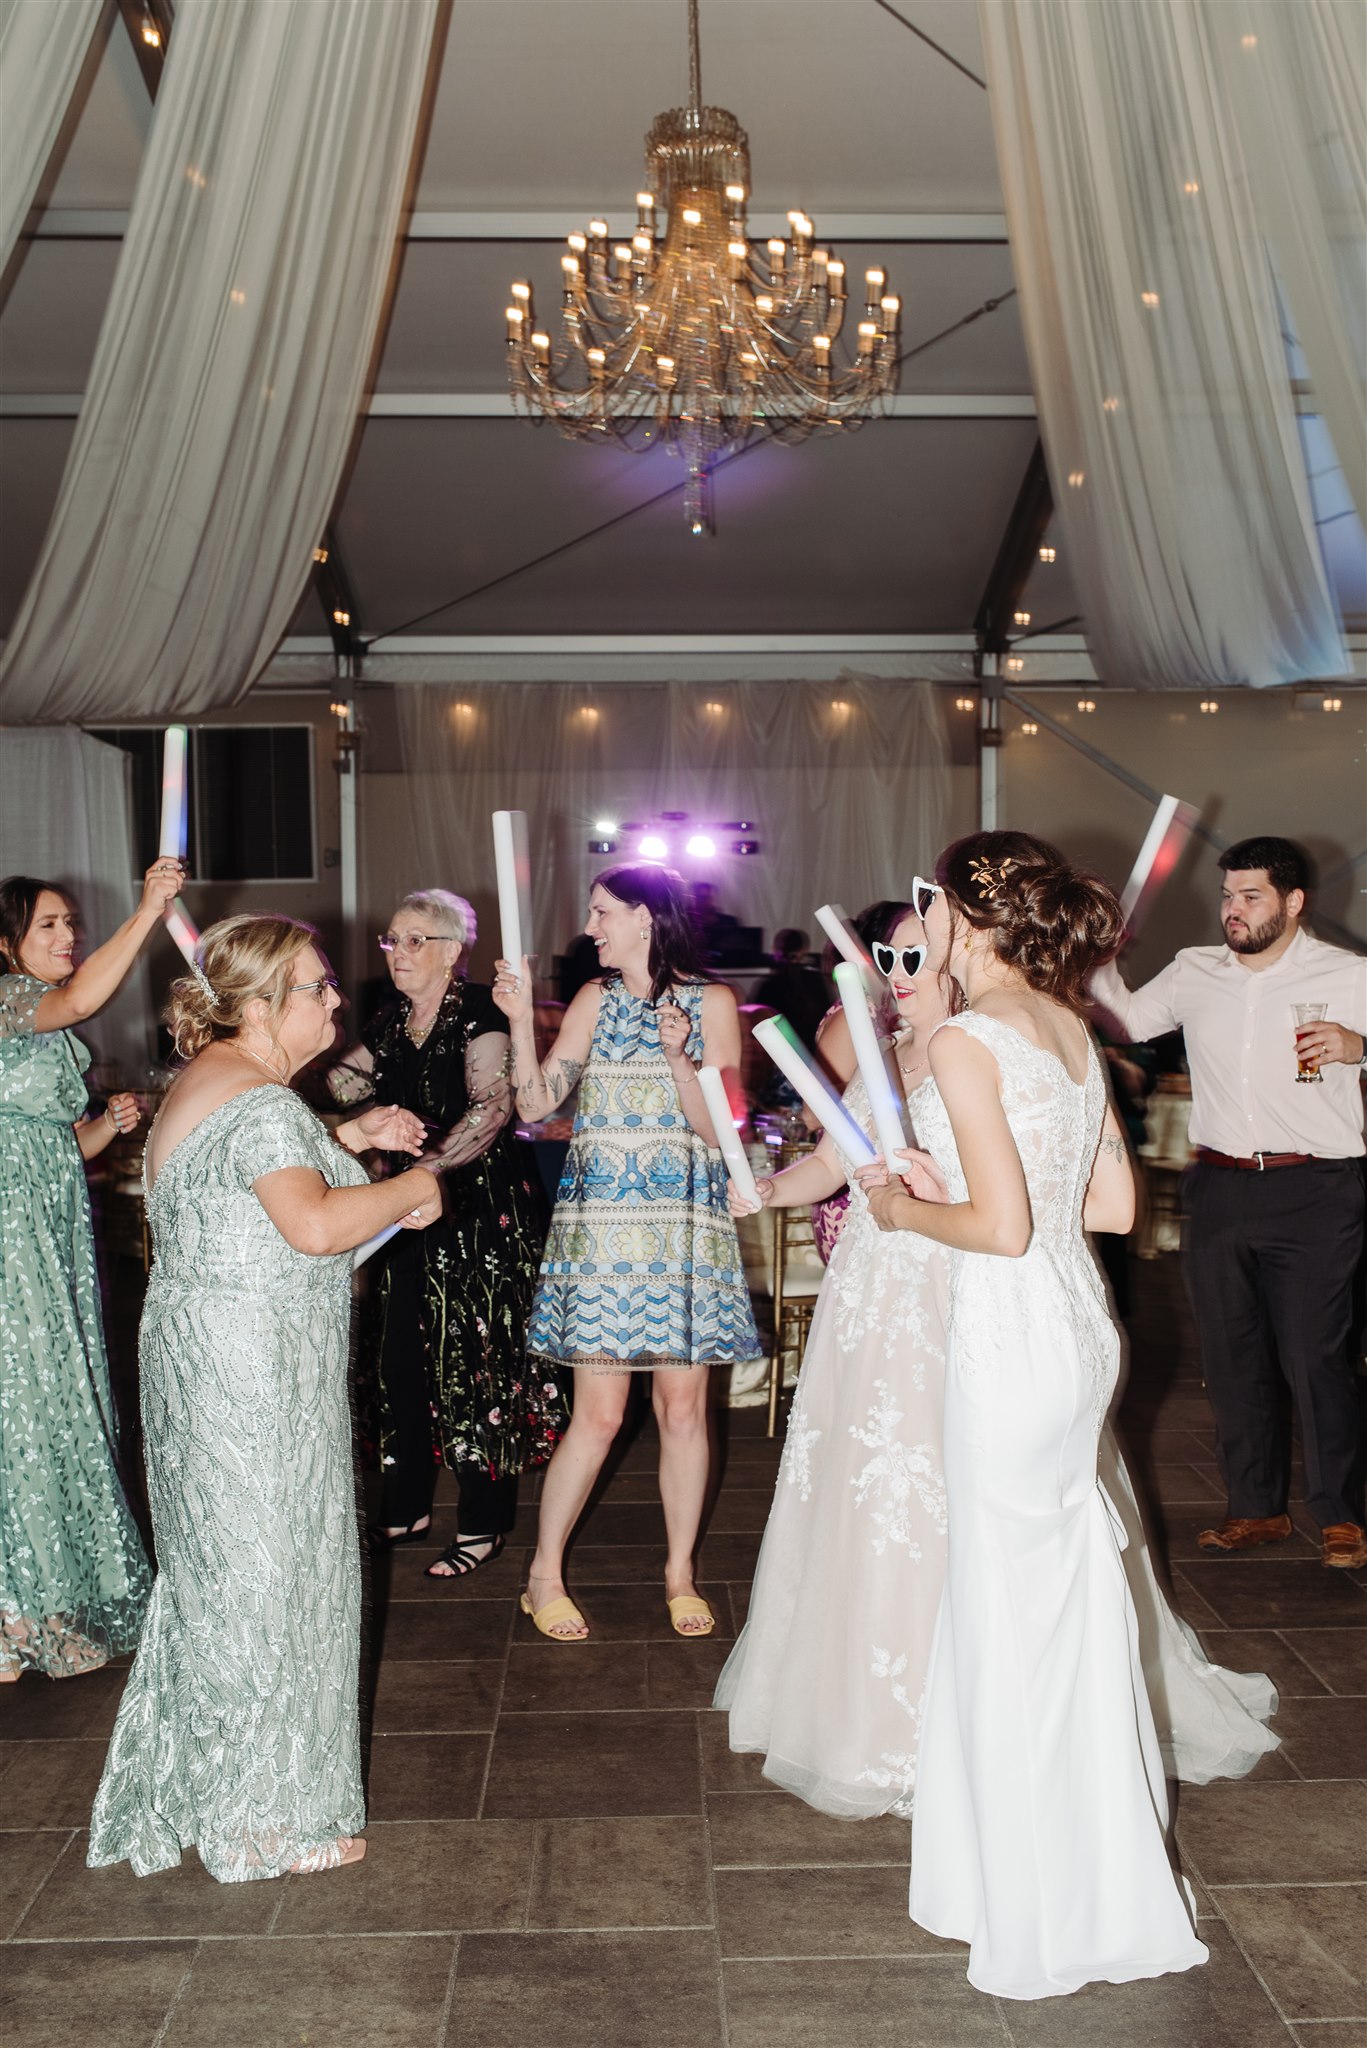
{"type": "Point", "coordinates": [745, 846]}
{"type": "Point", "coordinates": [605, 827]}
{"type": "Point", "coordinates": [700, 847]}
{"type": "Point", "coordinates": [652, 847]}
{"type": "Point", "coordinates": [1333, 704]}
{"type": "Point", "coordinates": [602, 846]}
{"type": "Point", "coordinates": [1048, 554]}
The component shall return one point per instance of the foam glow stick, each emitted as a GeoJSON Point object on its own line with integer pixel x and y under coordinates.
{"type": "Point", "coordinates": [1169, 830]}
{"type": "Point", "coordinates": [373, 1244]}
{"type": "Point", "coordinates": [784, 1048]}
{"type": "Point", "coordinates": [175, 794]}
{"type": "Point", "coordinates": [728, 1137]}
{"type": "Point", "coordinates": [873, 1067]}
{"type": "Point", "coordinates": [847, 942]}
{"type": "Point", "coordinates": [513, 862]}
{"type": "Point", "coordinates": [183, 930]}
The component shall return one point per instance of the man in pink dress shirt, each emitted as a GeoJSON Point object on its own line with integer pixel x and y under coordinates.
{"type": "Point", "coordinates": [1275, 1196]}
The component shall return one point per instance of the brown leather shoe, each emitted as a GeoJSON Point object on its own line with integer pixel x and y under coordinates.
{"type": "Point", "coordinates": [1240, 1532]}
{"type": "Point", "coordinates": [1344, 1545]}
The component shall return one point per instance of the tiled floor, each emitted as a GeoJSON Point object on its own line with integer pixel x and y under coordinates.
{"type": "Point", "coordinates": [564, 1853]}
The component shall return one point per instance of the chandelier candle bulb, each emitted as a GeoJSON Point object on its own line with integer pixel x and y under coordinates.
{"type": "Point", "coordinates": [835, 277]}
{"type": "Point", "coordinates": [781, 1042]}
{"type": "Point", "coordinates": [175, 794]}
{"type": "Point", "coordinates": [874, 1066]}
{"type": "Point", "coordinates": [645, 209]}
{"type": "Point", "coordinates": [889, 307]}
{"type": "Point", "coordinates": [868, 334]}
{"type": "Point", "coordinates": [513, 867]}
{"type": "Point", "coordinates": [724, 1123]}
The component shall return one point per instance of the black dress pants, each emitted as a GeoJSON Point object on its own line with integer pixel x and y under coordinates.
{"type": "Point", "coordinates": [1270, 1260]}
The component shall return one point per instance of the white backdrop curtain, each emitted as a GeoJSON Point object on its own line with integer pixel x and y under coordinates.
{"type": "Point", "coordinates": [231, 360]}
{"type": "Point", "coordinates": [66, 816]}
{"type": "Point", "coordinates": [844, 785]}
{"type": "Point", "coordinates": [1155, 346]}
{"type": "Point", "coordinates": [44, 46]}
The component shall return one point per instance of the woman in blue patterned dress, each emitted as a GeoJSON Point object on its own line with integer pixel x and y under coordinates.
{"type": "Point", "coordinates": [73, 1575]}
{"type": "Point", "coordinates": [642, 1270]}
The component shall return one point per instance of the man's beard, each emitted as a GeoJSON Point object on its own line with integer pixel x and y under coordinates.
{"type": "Point", "coordinates": [1257, 938]}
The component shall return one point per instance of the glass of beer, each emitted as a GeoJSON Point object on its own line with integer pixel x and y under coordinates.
{"type": "Point", "coordinates": [1307, 1064]}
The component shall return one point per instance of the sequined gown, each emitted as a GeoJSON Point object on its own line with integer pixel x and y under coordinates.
{"type": "Point", "coordinates": [73, 1573]}
{"type": "Point", "coordinates": [1041, 1808]}
{"type": "Point", "coordinates": [642, 1269]}
{"type": "Point", "coordinates": [238, 1731]}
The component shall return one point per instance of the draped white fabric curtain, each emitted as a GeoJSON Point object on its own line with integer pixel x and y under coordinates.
{"type": "Point", "coordinates": [231, 360]}
{"type": "Point", "coordinates": [1155, 347]}
{"type": "Point", "coordinates": [844, 785]}
{"type": "Point", "coordinates": [44, 46]}
{"type": "Point", "coordinates": [66, 816]}
{"type": "Point", "coordinates": [1296, 71]}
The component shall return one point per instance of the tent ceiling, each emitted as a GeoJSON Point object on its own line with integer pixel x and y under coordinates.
{"type": "Point", "coordinates": [540, 111]}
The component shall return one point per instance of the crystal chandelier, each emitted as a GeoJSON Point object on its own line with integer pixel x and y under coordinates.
{"type": "Point", "coordinates": [690, 335]}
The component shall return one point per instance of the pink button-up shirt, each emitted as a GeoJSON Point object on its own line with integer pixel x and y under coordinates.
{"type": "Point", "coordinates": [1241, 1045]}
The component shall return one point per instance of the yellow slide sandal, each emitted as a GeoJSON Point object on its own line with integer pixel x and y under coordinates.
{"type": "Point", "coordinates": [545, 1618]}
{"type": "Point", "coordinates": [684, 1607]}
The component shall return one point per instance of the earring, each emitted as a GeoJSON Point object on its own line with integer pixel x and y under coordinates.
{"type": "Point", "coordinates": [645, 934]}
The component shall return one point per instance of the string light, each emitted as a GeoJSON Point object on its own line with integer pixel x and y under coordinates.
{"type": "Point", "coordinates": [1015, 664]}
{"type": "Point", "coordinates": [1086, 703]}
{"type": "Point", "coordinates": [341, 618]}
{"type": "Point", "coordinates": [1048, 554]}
{"type": "Point", "coordinates": [963, 703]}
{"type": "Point", "coordinates": [1211, 704]}
{"type": "Point", "coordinates": [1333, 703]}
{"type": "Point", "coordinates": [1029, 728]}
{"type": "Point", "coordinates": [1021, 618]}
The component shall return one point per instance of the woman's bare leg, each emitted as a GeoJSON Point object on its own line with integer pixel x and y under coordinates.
{"type": "Point", "coordinates": [680, 1400]}
{"type": "Point", "coordinates": [600, 1402]}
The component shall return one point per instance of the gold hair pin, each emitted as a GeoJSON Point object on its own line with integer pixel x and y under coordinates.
{"type": "Point", "coordinates": [989, 877]}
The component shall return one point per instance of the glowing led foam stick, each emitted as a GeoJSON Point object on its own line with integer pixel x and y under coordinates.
{"type": "Point", "coordinates": [847, 942]}
{"type": "Point", "coordinates": [1169, 830]}
{"type": "Point", "coordinates": [373, 1244]}
{"type": "Point", "coordinates": [724, 1121]}
{"type": "Point", "coordinates": [183, 930]}
{"type": "Point", "coordinates": [785, 1049]}
{"type": "Point", "coordinates": [513, 862]}
{"type": "Point", "coordinates": [175, 794]}
{"type": "Point", "coordinates": [873, 1067]}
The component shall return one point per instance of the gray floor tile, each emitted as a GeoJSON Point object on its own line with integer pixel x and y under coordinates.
{"type": "Point", "coordinates": [454, 1631]}
{"type": "Point", "coordinates": [1250, 1593]}
{"type": "Point", "coordinates": [684, 1674]}
{"type": "Point", "coordinates": [637, 1990]}
{"type": "Point", "coordinates": [426, 1777]}
{"type": "Point", "coordinates": [725, 1769]}
{"type": "Point", "coordinates": [643, 1871]}
{"type": "Point", "coordinates": [424, 1877]}
{"type": "Point", "coordinates": [607, 1564]}
{"type": "Point", "coordinates": [1290, 1833]}
{"type": "Point", "coordinates": [348, 1991]}
{"type": "Point", "coordinates": [777, 1833]}
{"type": "Point", "coordinates": [1263, 1649]}
{"type": "Point", "coordinates": [436, 1698]}
{"type": "Point", "coordinates": [554, 1766]}
{"type": "Point", "coordinates": [1307, 1942]}
{"type": "Point", "coordinates": [78, 1904]}
{"type": "Point", "coordinates": [1220, 2005]}
{"type": "Point", "coordinates": [819, 1913]}
{"type": "Point", "coordinates": [741, 1510]}
{"type": "Point", "coordinates": [52, 1784]}
{"type": "Point", "coordinates": [27, 1859]}
{"type": "Point", "coordinates": [881, 2002]}
{"type": "Point", "coordinates": [1331, 2033]}
{"type": "Point", "coordinates": [1324, 1738]}
{"type": "Point", "coordinates": [1337, 1655]}
{"type": "Point", "coordinates": [91, 1994]}
{"type": "Point", "coordinates": [40, 1709]}
{"type": "Point", "coordinates": [573, 1677]}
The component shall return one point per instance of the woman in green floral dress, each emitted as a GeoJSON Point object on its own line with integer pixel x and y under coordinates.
{"type": "Point", "coordinates": [73, 1574]}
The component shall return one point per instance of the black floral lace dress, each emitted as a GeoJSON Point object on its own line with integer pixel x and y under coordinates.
{"type": "Point", "coordinates": [442, 1333]}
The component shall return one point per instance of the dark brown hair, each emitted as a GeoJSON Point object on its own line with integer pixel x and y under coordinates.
{"type": "Point", "coordinates": [674, 954]}
{"type": "Point", "coordinates": [18, 906]}
{"type": "Point", "coordinates": [1051, 922]}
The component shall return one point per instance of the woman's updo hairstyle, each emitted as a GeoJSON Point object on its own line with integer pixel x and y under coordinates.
{"type": "Point", "coordinates": [1051, 922]}
{"type": "Point", "coordinates": [449, 915]}
{"type": "Point", "coordinates": [243, 959]}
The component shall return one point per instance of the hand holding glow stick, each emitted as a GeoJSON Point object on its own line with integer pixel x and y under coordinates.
{"type": "Point", "coordinates": [513, 862]}
{"type": "Point", "coordinates": [724, 1123]}
{"type": "Point", "coordinates": [784, 1048]}
{"type": "Point", "coordinates": [175, 794]}
{"type": "Point", "coordinates": [1170, 828]}
{"type": "Point", "coordinates": [847, 942]}
{"type": "Point", "coordinates": [873, 1067]}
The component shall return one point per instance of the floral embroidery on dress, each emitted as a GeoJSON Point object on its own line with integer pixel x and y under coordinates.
{"type": "Point", "coordinates": [896, 1768]}
{"type": "Point", "coordinates": [898, 1475]}
{"type": "Point", "coordinates": [796, 1463]}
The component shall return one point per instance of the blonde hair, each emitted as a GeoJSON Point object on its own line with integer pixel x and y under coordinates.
{"type": "Point", "coordinates": [242, 959]}
{"type": "Point", "coordinates": [453, 917]}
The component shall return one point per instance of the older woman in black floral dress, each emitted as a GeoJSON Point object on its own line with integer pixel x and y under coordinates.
{"type": "Point", "coordinates": [442, 1337]}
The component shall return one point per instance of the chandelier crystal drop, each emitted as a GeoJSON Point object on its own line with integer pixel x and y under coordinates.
{"type": "Point", "coordinates": [689, 334]}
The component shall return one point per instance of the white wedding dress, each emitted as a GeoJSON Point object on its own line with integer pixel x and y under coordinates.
{"type": "Point", "coordinates": [827, 1678]}
{"type": "Point", "coordinates": [1041, 1810]}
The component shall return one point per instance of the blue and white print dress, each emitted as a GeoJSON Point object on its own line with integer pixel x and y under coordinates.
{"type": "Point", "coordinates": [642, 1269]}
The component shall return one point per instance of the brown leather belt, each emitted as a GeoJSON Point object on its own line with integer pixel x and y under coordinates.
{"type": "Point", "coordinates": [1259, 1163]}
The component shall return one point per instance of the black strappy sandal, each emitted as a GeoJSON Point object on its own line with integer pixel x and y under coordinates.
{"type": "Point", "coordinates": [379, 1539]}
{"type": "Point", "coordinates": [461, 1558]}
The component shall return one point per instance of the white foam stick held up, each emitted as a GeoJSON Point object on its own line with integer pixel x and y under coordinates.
{"type": "Point", "coordinates": [1169, 830]}
{"type": "Point", "coordinates": [175, 794]}
{"type": "Point", "coordinates": [373, 1244]}
{"type": "Point", "coordinates": [724, 1122]}
{"type": "Point", "coordinates": [884, 1100]}
{"type": "Point", "coordinates": [847, 942]}
{"type": "Point", "coordinates": [784, 1048]}
{"type": "Point", "coordinates": [513, 862]}
{"type": "Point", "coordinates": [183, 930]}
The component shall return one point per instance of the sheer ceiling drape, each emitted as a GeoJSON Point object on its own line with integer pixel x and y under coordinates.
{"type": "Point", "coordinates": [844, 786]}
{"type": "Point", "coordinates": [1155, 347]}
{"type": "Point", "coordinates": [44, 46]}
{"type": "Point", "coordinates": [231, 360]}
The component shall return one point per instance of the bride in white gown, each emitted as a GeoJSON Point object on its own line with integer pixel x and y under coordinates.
{"type": "Point", "coordinates": [1039, 1834]}
{"type": "Point", "coordinates": [826, 1682]}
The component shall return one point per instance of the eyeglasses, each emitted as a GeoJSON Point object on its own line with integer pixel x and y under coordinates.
{"type": "Point", "coordinates": [317, 988]}
{"type": "Point", "coordinates": [923, 894]}
{"type": "Point", "coordinates": [886, 958]}
{"type": "Point", "coordinates": [413, 942]}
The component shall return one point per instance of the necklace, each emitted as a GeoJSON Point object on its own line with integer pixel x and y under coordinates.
{"type": "Point", "coordinates": [247, 1053]}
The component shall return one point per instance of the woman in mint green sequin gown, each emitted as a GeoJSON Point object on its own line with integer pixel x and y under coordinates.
{"type": "Point", "coordinates": [238, 1732]}
{"type": "Point", "coordinates": [74, 1578]}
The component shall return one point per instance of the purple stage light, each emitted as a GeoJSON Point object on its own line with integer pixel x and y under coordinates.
{"type": "Point", "coordinates": [701, 847]}
{"type": "Point", "coordinates": [652, 847]}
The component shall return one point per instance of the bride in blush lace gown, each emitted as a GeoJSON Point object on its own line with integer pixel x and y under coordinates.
{"type": "Point", "coordinates": [826, 1680]}
{"type": "Point", "coordinates": [1040, 1821]}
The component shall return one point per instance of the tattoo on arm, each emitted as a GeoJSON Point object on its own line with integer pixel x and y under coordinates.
{"type": "Point", "coordinates": [1115, 1146]}
{"type": "Point", "coordinates": [561, 1083]}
